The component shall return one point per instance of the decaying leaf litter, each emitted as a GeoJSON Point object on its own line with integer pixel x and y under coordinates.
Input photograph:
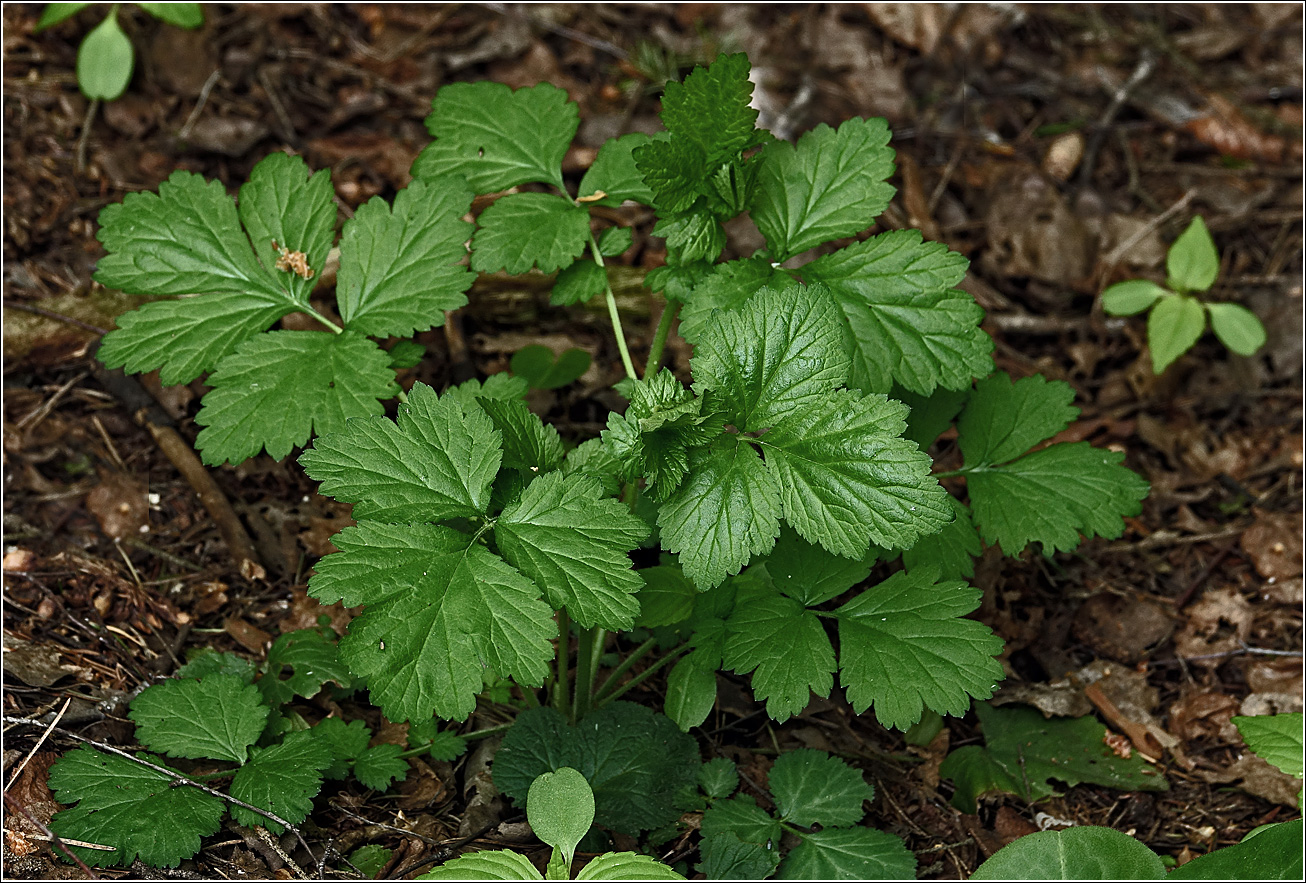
{"type": "Point", "coordinates": [1061, 149]}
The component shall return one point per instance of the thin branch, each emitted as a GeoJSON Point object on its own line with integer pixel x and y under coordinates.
{"type": "Point", "coordinates": [39, 742]}
{"type": "Point", "coordinates": [51, 314]}
{"type": "Point", "coordinates": [1122, 249]}
{"type": "Point", "coordinates": [85, 136]}
{"type": "Point", "coordinates": [199, 105]}
{"type": "Point", "coordinates": [54, 838]}
{"type": "Point", "coordinates": [1143, 70]}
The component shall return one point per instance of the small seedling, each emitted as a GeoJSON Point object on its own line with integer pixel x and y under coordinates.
{"type": "Point", "coordinates": [106, 58]}
{"type": "Point", "coordinates": [560, 809]}
{"type": "Point", "coordinates": [1177, 319]}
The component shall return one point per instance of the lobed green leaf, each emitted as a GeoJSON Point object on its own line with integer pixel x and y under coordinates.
{"type": "Point", "coordinates": [528, 443]}
{"type": "Point", "coordinates": [905, 321]}
{"type": "Point", "coordinates": [435, 461]}
{"type": "Point", "coordinates": [952, 550]}
{"type": "Point", "coordinates": [440, 611]}
{"type": "Point", "coordinates": [218, 716]}
{"type": "Point", "coordinates": [785, 647]}
{"type": "Point", "coordinates": [742, 817]}
{"type": "Point", "coordinates": [848, 479]}
{"type": "Point", "coordinates": [497, 138]}
{"type": "Point", "coordinates": [832, 184]}
{"type": "Point", "coordinates": [726, 511]}
{"type": "Point", "coordinates": [522, 231]}
{"type": "Point", "coordinates": [809, 574]}
{"type": "Point", "coordinates": [1004, 419]}
{"type": "Point", "coordinates": [574, 544]}
{"type": "Point", "coordinates": [776, 357]}
{"type": "Point", "coordinates": [614, 173]}
{"type": "Point", "coordinates": [311, 655]}
{"type": "Point", "coordinates": [1052, 496]}
{"type": "Point", "coordinates": [380, 765]}
{"type": "Point", "coordinates": [283, 202]}
{"type": "Point", "coordinates": [184, 338]}
{"type": "Point", "coordinates": [726, 857]}
{"type": "Point", "coordinates": [812, 788]}
{"type": "Point", "coordinates": [727, 287]}
{"type": "Point", "coordinates": [1276, 739]}
{"type": "Point", "coordinates": [691, 691]}
{"type": "Point", "coordinates": [400, 267]}
{"type": "Point", "coordinates": [282, 779]}
{"type": "Point", "coordinates": [849, 854]}
{"type": "Point", "coordinates": [280, 388]}
{"type": "Point", "coordinates": [904, 647]}
{"type": "Point", "coordinates": [140, 812]}
{"type": "Point", "coordinates": [1031, 756]}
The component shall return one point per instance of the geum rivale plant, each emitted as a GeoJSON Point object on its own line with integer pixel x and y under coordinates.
{"type": "Point", "coordinates": [793, 460]}
{"type": "Point", "coordinates": [475, 528]}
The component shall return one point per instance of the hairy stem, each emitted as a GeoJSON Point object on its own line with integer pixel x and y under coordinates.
{"type": "Point", "coordinates": [466, 737]}
{"type": "Point", "coordinates": [660, 337]}
{"type": "Point", "coordinates": [635, 656]}
{"type": "Point", "coordinates": [604, 699]}
{"type": "Point", "coordinates": [528, 696]}
{"type": "Point", "coordinates": [561, 698]}
{"type": "Point", "coordinates": [308, 308]}
{"type": "Point", "coordinates": [589, 638]}
{"type": "Point", "coordinates": [613, 314]}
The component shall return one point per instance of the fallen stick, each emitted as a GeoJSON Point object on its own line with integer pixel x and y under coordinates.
{"type": "Point", "coordinates": [149, 416]}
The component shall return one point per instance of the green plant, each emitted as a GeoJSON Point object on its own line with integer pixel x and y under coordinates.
{"type": "Point", "coordinates": [793, 462]}
{"type": "Point", "coordinates": [560, 809]}
{"type": "Point", "coordinates": [221, 709]}
{"type": "Point", "coordinates": [1271, 852]}
{"type": "Point", "coordinates": [1177, 319]}
{"type": "Point", "coordinates": [818, 800]}
{"type": "Point", "coordinates": [105, 57]}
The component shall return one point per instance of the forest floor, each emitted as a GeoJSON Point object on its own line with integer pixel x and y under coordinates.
{"type": "Point", "coordinates": [1060, 148]}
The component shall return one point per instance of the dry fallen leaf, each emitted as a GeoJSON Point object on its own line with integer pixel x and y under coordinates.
{"type": "Point", "coordinates": [1121, 627]}
{"type": "Point", "coordinates": [1274, 544]}
{"type": "Point", "coordinates": [1204, 715]}
{"type": "Point", "coordinates": [1033, 233]}
{"type": "Point", "coordinates": [33, 794]}
{"type": "Point", "coordinates": [32, 663]}
{"type": "Point", "coordinates": [1255, 776]}
{"type": "Point", "coordinates": [120, 504]}
{"type": "Point", "coordinates": [1217, 624]}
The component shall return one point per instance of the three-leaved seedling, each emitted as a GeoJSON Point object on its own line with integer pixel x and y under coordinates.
{"type": "Point", "coordinates": [794, 460]}
{"type": "Point", "coordinates": [1177, 319]}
